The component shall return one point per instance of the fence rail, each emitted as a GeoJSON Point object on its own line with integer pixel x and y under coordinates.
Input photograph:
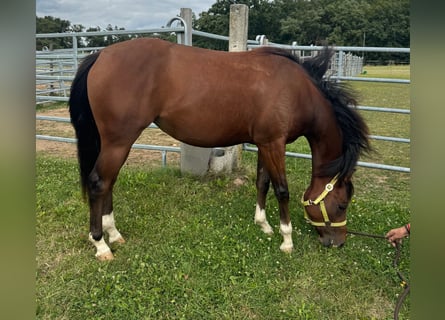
{"type": "Point", "coordinates": [56, 69]}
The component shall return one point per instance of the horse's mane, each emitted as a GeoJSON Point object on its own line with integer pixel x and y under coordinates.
{"type": "Point", "coordinates": [343, 100]}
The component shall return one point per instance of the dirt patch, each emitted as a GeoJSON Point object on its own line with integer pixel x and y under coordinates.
{"type": "Point", "coordinates": [68, 150]}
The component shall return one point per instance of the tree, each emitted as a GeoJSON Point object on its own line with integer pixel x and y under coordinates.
{"type": "Point", "coordinates": [347, 21]}
{"type": "Point", "coordinates": [379, 23]}
{"type": "Point", "coordinates": [262, 20]}
{"type": "Point", "coordinates": [105, 40]}
{"type": "Point", "coordinates": [342, 22]}
{"type": "Point", "coordinates": [50, 24]}
{"type": "Point", "coordinates": [215, 20]}
{"type": "Point", "coordinates": [305, 23]}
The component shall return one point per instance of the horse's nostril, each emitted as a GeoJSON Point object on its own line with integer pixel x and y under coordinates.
{"type": "Point", "coordinates": [326, 242]}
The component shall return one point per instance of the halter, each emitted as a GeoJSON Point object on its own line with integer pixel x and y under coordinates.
{"type": "Point", "coordinates": [320, 201]}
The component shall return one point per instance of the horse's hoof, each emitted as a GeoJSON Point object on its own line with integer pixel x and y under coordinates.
{"type": "Point", "coordinates": [265, 227]}
{"type": "Point", "coordinates": [287, 248]}
{"type": "Point", "coordinates": [107, 256]}
{"type": "Point", "coordinates": [119, 240]}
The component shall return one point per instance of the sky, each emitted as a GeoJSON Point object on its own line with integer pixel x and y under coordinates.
{"type": "Point", "coordinates": [128, 14]}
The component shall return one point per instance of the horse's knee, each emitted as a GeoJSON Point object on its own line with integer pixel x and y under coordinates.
{"type": "Point", "coordinates": [282, 193]}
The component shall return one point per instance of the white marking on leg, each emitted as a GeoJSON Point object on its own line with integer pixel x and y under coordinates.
{"type": "Point", "coordinates": [103, 251]}
{"type": "Point", "coordinates": [260, 219]}
{"type": "Point", "coordinates": [109, 226]}
{"type": "Point", "coordinates": [286, 232]}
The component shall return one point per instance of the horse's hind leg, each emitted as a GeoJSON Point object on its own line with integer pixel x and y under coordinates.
{"type": "Point", "coordinates": [101, 181]}
{"type": "Point", "coordinates": [262, 185]}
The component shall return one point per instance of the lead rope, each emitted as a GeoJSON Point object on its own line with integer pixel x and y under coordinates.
{"type": "Point", "coordinates": [395, 263]}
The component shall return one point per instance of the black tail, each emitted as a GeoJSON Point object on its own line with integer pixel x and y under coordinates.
{"type": "Point", "coordinates": [88, 139]}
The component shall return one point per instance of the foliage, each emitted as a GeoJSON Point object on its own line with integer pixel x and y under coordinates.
{"type": "Point", "coordinates": [103, 41]}
{"type": "Point", "coordinates": [379, 23]}
{"type": "Point", "coordinates": [375, 23]}
{"type": "Point", "coordinates": [50, 24]}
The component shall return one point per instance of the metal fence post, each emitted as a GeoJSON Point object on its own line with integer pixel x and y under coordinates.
{"type": "Point", "coordinates": [75, 53]}
{"type": "Point", "coordinates": [340, 63]}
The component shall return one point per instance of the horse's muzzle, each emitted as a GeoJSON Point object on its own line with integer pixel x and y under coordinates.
{"type": "Point", "coordinates": [331, 243]}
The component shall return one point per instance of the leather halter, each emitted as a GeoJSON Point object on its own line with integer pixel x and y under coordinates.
{"type": "Point", "coordinates": [320, 201]}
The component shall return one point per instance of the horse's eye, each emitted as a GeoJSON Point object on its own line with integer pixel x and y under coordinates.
{"type": "Point", "coordinates": [342, 207]}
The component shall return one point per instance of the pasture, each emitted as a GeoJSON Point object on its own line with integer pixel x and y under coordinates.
{"type": "Point", "coordinates": [193, 251]}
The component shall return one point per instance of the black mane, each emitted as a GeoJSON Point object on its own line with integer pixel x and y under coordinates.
{"type": "Point", "coordinates": [343, 100]}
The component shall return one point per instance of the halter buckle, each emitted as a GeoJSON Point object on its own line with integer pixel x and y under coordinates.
{"type": "Point", "coordinates": [320, 201]}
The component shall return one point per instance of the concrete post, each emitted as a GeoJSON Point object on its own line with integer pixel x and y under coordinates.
{"type": "Point", "coordinates": [194, 160]}
{"type": "Point", "coordinates": [239, 21]}
{"type": "Point", "coordinates": [197, 160]}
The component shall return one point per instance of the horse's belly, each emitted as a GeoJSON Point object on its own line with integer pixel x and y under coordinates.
{"type": "Point", "coordinates": [204, 134]}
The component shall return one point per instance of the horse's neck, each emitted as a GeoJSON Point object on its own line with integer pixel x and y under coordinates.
{"type": "Point", "coordinates": [325, 141]}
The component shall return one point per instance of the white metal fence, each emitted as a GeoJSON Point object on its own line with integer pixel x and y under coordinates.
{"type": "Point", "coordinates": [56, 69]}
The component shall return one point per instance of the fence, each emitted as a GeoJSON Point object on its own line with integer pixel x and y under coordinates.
{"type": "Point", "coordinates": [55, 71]}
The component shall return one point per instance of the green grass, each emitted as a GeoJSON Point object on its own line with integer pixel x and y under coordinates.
{"type": "Point", "coordinates": [51, 105]}
{"type": "Point", "coordinates": [193, 251]}
{"type": "Point", "coordinates": [390, 95]}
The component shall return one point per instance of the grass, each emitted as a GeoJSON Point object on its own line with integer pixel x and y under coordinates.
{"type": "Point", "coordinates": [51, 105]}
{"type": "Point", "coordinates": [193, 251]}
{"type": "Point", "coordinates": [390, 95]}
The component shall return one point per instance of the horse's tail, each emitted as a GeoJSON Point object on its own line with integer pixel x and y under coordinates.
{"type": "Point", "coordinates": [88, 139]}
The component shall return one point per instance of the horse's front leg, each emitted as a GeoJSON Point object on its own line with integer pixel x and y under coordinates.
{"type": "Point", "coordinates": [262, 185]}
{"type": "Point", "coordinates": [274, 160]}
{"type": "Point", "coordinates": [282, 195]}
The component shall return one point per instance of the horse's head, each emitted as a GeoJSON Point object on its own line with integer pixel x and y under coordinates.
{"type": "Point", "coordinates": [325, 208]}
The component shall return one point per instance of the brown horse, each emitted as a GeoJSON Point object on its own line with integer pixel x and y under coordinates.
{"type": "Point", "coordinates": [211, 98]}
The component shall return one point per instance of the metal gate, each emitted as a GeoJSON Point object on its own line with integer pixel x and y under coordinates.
{"type": "Point", "coordinates": [56, 69]}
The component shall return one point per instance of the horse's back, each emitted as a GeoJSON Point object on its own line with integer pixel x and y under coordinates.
{"type": "Point", "coordinates": [200, 96]}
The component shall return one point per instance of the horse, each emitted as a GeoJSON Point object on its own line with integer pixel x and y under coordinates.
{"type": "Point", "coordinates": [206, 98]}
